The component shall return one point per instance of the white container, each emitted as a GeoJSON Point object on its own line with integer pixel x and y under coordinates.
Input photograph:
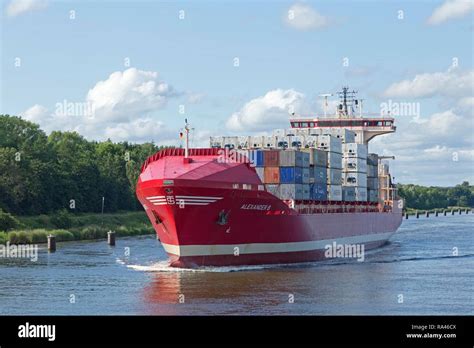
{"type": "Point", "coordinates": [256, 142]}
{"type": "Point", "coordinates": [334, 160]}
{"type": "Point", "coordinates": [348, 193]}
{"type": "Point", "coordinates": [361, 194]}
{"type": "Point", "coordinates": [354, 179]}
{"type": "Point", "coordinates": [279, 133]}
{"type": "Point", "coordinates": [334, 176]}
{"type": "Point", "coordinates": [243, 142]}
{"type": "Point", "coordinates": [315, 131]}
{"type": "Point", "coordinates": [354, 164]}
{"type": "Point", "coordinates": [354, 150]}
{"type": "Point", "coordinates": [291, 191]}
{"type": "Point", "coordinates": [216, 142]}
{"type": "Point", "coordinates": [311, 141]}
{"type": "Point", "coordinates": [270, 142]}
{"type": "Point", "coordinates": [274, 189]}
{"type": "Point", "coordinates": [373, 183]}
{"type": "Point", "coordinates": [334, 192]}
{"type": "Point", "coordinates": [384, 181]}
{"type": "Point", "coordinates": [260, 173]}
{"type": "Point", "coordinates": [344, 134]}
{"type": "Point", "coordinates": [329, 143]}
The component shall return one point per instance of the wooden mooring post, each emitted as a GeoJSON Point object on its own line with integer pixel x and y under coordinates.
{"type": "Point", "coordinates": [51, 243]}
{"type": "Point", "coordinates": [427, 214]}
{"type": "Point", "coordinates": [111, 238]}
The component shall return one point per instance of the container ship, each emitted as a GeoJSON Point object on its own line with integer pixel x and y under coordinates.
{"type": "Point", "coordinates": [284, 198]}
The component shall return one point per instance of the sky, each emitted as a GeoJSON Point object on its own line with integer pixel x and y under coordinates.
{"type": "Point", "coordinates": [133, 70]}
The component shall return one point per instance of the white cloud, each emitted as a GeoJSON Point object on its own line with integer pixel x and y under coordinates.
{"type": "Point", "coordinates": [453, 82]}
{"type": "Point", "coordinates": [138, 129]}
{"type": "Point", "coordinates": [36, 113]}
{"type": "Point", "coordinates": [266, 112]}
{"type": "Point", "coordinates": [304, 17]}
{"type": "Point", "coordinates": [195, 98]}
{"type": "Point", "coordinates": [18, 7]}
{"type": "Point", "coordinates": [128, 94]}
{"type": "Point", "coordinates": [451, 9]}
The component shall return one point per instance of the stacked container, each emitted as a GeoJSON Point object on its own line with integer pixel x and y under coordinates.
{"type": "Point", "coordinates": [354, 172]}
{"type": "Point", "coordinates": [372, 177]}
{"type": "Point", "coordinates": [333, 148]}
{"type": "Point", "coordinates": [318, 173]}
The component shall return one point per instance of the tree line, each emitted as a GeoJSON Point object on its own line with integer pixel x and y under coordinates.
{"type": "Point", "coordinates": [421, 197]}
{"type": "Point", "coordinates": [40, 174]}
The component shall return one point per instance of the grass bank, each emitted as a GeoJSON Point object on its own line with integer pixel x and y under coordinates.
{"type": "Point", "coordinates": [35, 229]}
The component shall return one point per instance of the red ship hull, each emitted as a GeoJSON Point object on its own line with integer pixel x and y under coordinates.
{"type": "Point", "coordinates": [208, 219]}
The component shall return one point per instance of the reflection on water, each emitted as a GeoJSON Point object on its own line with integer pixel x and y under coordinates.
{"type": "Point", "coordinates": [418, 263]}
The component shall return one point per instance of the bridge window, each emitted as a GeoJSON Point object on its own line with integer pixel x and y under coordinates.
{"type": "Point", "coordinates": [304, 124]}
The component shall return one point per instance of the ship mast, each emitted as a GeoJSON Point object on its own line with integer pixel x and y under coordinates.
{"type": "Point", "coordinates": [186, 138]}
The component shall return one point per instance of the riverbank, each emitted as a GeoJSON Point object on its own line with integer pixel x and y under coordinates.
{"type": "Point", "coordinates": [411, 211]}
{"type": "Point", "coordinates": [35, 229]}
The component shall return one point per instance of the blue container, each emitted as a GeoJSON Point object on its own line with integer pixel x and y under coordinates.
{"type": "Point", "coordinates": [256, 157]}
{"type": "Point", "coordinates": [319, 174]}
{"type": "Point", "coordinates": [318, 192]}
{"type": "Point", "coordinates": [287, 175]}
{"type": "Point", "coordinates": [291, 175]}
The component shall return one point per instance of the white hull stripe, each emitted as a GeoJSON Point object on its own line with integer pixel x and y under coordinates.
{"type": "Point", "coordinates": [263, 248]}
{"type": "Point", "coordinates": [152, 197]}
{"type": "Point", "coordinates": [198, 197]}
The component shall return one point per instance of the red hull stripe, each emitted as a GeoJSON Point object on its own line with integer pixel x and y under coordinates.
{"type": "Point", "coordinates": [264, 248]}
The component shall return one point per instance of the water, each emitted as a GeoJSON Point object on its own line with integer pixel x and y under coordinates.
{"type": "Point", "coordinates": [417, 264]}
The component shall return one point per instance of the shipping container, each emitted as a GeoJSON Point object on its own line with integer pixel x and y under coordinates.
{"type": "Point", "coordinates": [334, 160]}
{"type": "Point", "coordinates": [291, 191]}
{"type": "Point", "coordinates": [216, 142]}
{"type": "Point", "coordinates": [334, 192]}
{"type": "Point", "coordinates": [318, 191]}
{"type": "Point", "coordinates": [270, 142]}
{"type": "Point", "coordinates": [354, 164]}
{"type": "Point", "coordinates": [348, 194]}
{"type": "Point", "coordinates": [329, 143]}
{"type": "Point", "coordinates": [274, 189]}
{"type": "Point", "coordinates": [372, 195]}
{"type": "Point", "coordinates": [310, 141]}
{"type": "Point", "coordinates": [354, 150]}
{"type": "Point", "coordinates": [372, 171]}
{"type": "Point", "coordinates": [373, 183]}
{"type": "Point", "coordinates": [319, 174]}
{"type": "Point", "coordinates": [231, 142]}
{"type": "Point", "coordinates": [256, 158]}
{"type": "Point", "coordinates": [305, 172]}
{"type": "Point", "coordinates": [256, 142]}
{"type": "Point", "coordinates": [294, 158]}
{"type": "Point", "coordinates": [261, 173]}
{"type": "Point", "coordinates": [271, 175]}
{"type": "Point", "coordinates": [344, 134]}
{"type": "Point", "coordinates": [243, 142]}
{"type": "Point", "coordinates": [361, 194]}
{"type": "Point", "coordinates": [373, 159]}
{"type": "Point", "coordinates": [271, 158]}
{"type": "Point", "coordinates": [315, 131]}
{"type": "Point", "coordinates": [334, 176]}
{"type": "Point", "coordinates": [317, 157]}
{"type": "Point", "coordinates": [291, 175]}
{"type": "Point", "coordinates": [354, 179]}
{"type": "Point", "coordinates": [306, 192]}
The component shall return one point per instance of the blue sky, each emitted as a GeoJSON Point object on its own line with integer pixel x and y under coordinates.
{"type": "Point", "coordinates": [190, 62]}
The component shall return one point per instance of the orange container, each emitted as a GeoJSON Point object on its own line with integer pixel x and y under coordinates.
{"type": "Point", "coordinates": [271, 158]}
{"type": "Point", "coordinates": [271, 175]}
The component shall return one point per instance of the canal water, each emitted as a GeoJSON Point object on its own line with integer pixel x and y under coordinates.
{"type": "Point", "coordinates": [427, 268]}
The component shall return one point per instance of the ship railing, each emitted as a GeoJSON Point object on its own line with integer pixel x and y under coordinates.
{"type": "Point", "coordinates": [322, 207]}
